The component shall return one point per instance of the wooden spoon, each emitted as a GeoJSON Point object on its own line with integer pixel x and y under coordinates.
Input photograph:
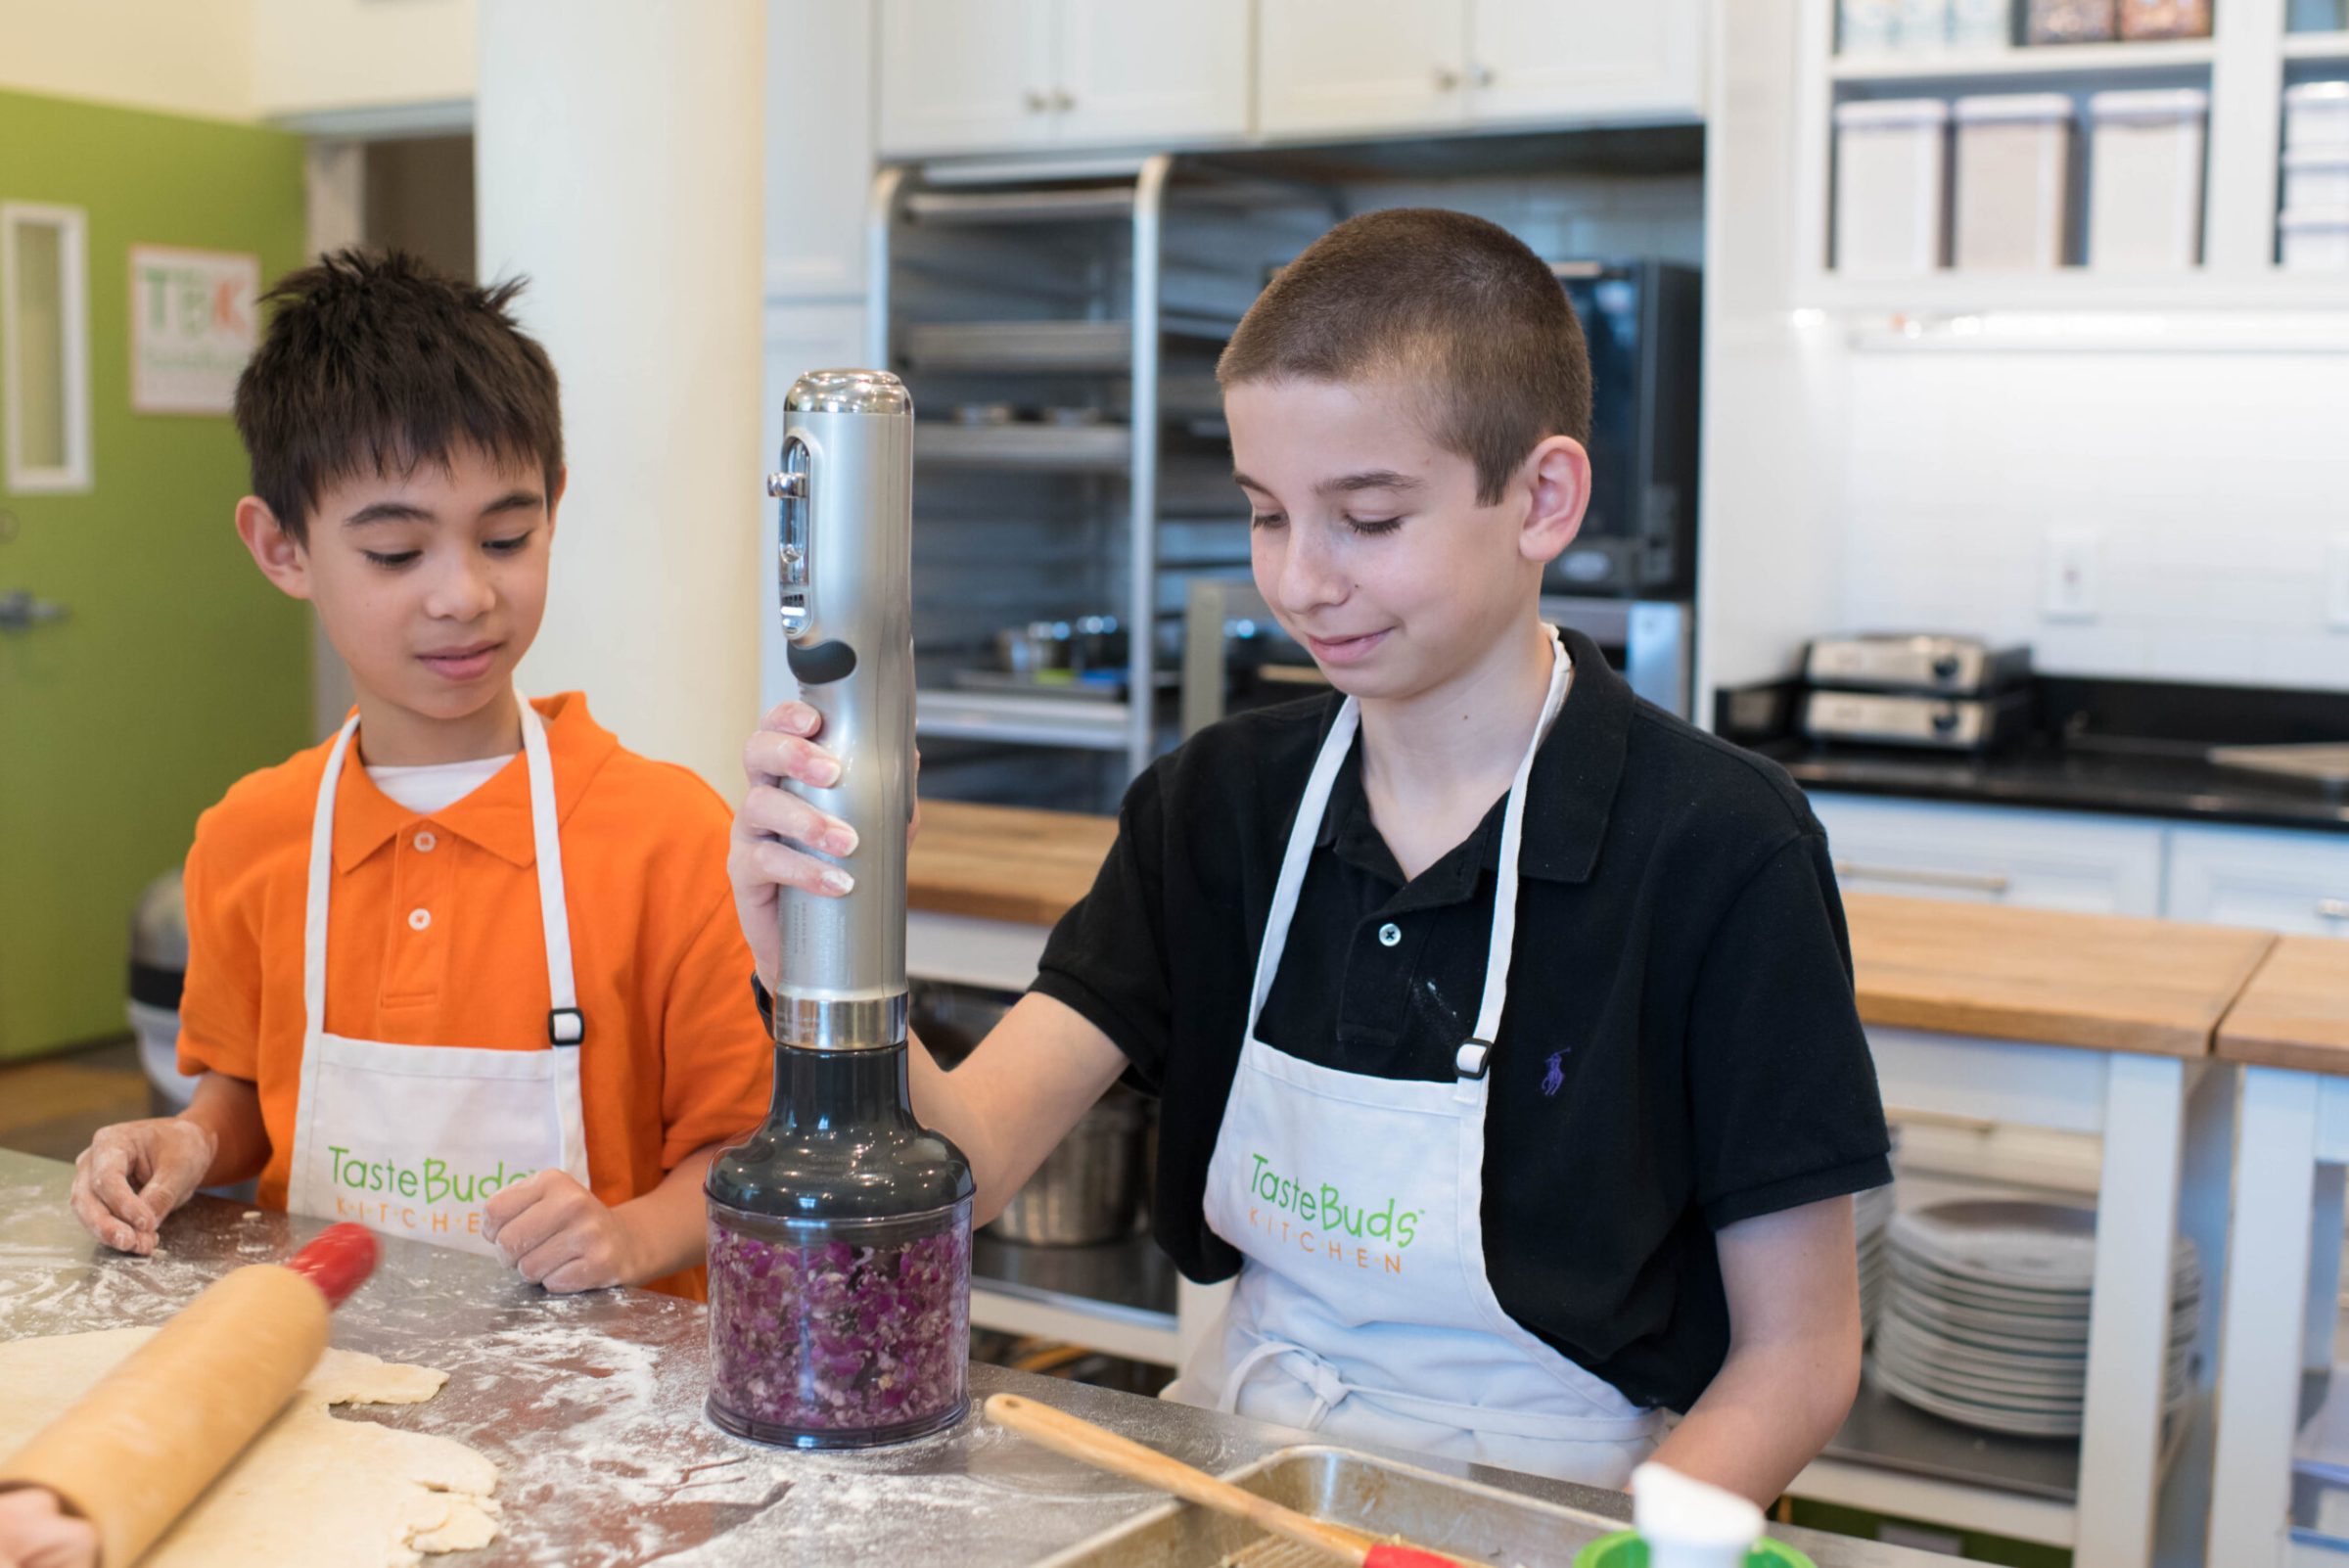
{"type": "Point", "coordinates": [1105, 1450]}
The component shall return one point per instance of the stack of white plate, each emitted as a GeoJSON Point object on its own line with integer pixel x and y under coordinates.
{"type": "Point", "coordinates": [1871, 1212]}
{"type": "Point", "coordinates": [1985, 1315]}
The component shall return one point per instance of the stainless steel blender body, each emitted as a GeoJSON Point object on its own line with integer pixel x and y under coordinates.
{"type": "Point", "coordinates": [845, 578]}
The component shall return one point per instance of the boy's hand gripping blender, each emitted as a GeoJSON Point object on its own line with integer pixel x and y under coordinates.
{"type": "Point", "coordinates": [840, 1233]}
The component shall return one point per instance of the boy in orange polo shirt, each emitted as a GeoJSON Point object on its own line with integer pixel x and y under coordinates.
{"type": "Point", "coordinates": [469, 971]}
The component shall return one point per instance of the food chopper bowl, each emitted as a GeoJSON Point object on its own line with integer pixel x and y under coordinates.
{"type": "Point", "coordinates": [839, 1333]}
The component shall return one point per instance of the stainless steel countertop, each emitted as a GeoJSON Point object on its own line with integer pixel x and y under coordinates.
{"type": "Point", "coordinates": [591, 1407]}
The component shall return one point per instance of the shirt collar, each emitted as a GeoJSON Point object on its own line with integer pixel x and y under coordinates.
{"type": "Point", "coordinates": [1571, 792]}
{"type": "Point", "coordinates": [497, 815]}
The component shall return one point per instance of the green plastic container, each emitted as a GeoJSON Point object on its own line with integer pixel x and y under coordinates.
{"type": "Point", "coordinates": [1625, 1549]}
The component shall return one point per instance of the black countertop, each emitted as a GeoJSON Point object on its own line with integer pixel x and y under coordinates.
{"type": "Point", "coordinates": [2121, 747]}
{"type": "Point", "coordinates": [2183, 788]}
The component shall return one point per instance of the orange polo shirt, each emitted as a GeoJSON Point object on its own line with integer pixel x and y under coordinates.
{"type": "Point", "coordinates": [675, 1057]}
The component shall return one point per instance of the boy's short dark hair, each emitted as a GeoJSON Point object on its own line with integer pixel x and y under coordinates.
{"type": "Point", "coordinates": [1448, 302]}
{"type": "Point", "coordinates": [374, 362]}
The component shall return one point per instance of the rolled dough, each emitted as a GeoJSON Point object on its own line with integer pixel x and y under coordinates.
{"type": "Point", "coordinates": [310, 1489]}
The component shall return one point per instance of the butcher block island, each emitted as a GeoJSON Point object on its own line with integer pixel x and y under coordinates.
{"type": "Point", "coordinates": [590, 1407]}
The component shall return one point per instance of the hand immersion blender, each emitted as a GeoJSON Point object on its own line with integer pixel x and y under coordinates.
{"type": "Point", "coordinates": [840, 1233]}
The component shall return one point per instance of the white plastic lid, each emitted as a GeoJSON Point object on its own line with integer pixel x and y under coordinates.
{"type": "Point", "coordinates": [2150, 104]}
{"type": "Point", "coordinates": [1682, 1519]}
{"type": "Point", "coordinates": [2336, 157]}
{"type": "Point", "coordinates": [2313, 219]}
{"type": "Point", "coordinates": [2316, 92]}
{"type": "Point", "coordinates": [1881, 113]}
{"type": "Point", "coordinates": [1991, 108]}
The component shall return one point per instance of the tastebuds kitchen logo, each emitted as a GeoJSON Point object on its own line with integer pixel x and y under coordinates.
{"type": "Point", "coordinates": [1319, 1218]}
{"type": "Point", "coordinates": [432, 1183]}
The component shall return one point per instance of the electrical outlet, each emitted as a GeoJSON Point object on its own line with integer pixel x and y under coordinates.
{"type": "Point", "coordinates": [2071, 588]}
{"type": "Point", "coordinates": [2336, 583]}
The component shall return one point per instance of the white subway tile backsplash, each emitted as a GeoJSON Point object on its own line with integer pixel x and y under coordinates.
{"type": "Point", "coordinates": [2212, 480]}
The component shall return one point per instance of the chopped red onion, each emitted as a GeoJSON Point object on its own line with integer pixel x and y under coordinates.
{"type": "Point", "coordinates": [831, 1336]}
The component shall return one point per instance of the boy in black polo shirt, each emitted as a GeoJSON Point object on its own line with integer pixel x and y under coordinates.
{"type": "Point", "coordinates": [1502, 1023]}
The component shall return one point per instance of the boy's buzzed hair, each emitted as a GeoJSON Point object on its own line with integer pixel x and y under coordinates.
{"type": "Point", "coordinates": [374, 362]}
{"type": "Point", "coordinates": [1434, 300]}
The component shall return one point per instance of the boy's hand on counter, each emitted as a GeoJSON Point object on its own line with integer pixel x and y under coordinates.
{"type": "Point", "coordinates": [134, 1174]}
{"type": "Point", "coordinates": [36, 1532]}
{"type": "Point", "coordinates": [558, 1234]}
{"type": "Point", "coordinates": [772, 823]}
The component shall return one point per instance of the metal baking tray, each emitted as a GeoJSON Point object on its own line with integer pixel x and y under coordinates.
{"type": "Point", "coordinates": [1474, 1523]}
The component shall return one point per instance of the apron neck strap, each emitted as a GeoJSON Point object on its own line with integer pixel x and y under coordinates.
{"type": "Point", "coordinates": [1306, 827]}
{"type": "Point", "coordinates": [321, 879]}
{"type": "Point", "coordinates": [564, 1023]}
{"type": "Point", "coordinates": [1502, 944]}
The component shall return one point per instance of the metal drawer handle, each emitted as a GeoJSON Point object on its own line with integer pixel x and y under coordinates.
{"type": "Point", "coordinates": [2334, 908]}
{"type": "Point", "coordinates": [1967, 881]}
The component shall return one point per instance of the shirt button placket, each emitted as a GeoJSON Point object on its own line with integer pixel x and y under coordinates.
{"type": "Point", "coordinates": [412, 970]}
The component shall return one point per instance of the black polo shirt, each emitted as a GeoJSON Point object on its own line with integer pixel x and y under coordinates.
{"type": "Point", "coordinates": [1680, 1051]}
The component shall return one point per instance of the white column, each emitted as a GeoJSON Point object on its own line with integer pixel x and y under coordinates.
{"type": "Point", "coordinates": [619, 165]}
{"type": "Point", "coordinates": [335, 181]}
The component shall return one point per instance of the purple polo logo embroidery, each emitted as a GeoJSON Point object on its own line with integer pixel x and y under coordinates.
{"type": "Point", "coordinates": [1554, 1080]}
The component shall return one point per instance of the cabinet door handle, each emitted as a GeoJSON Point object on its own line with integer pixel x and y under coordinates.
{"type": "Point", "coordinates": [1034, 102]}
{"type": "Point", "coordinates": [1480, 76]}
{"type": "Point", "coordinates": [2334, 908]}
{"type": "Point", "coordinates": [1448, 81]}
{"type": "Point", "coordinates": [1063, 100]}
{"type": "Point", "coordinates": [1961, 880]}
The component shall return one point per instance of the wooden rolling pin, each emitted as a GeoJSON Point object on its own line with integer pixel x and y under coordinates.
{"type": "Point", "coordinates": [1097, 1445]}
{"type": "Point", "coordinates": [145, 1441]}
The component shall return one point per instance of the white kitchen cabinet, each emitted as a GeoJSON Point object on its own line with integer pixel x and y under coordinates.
{"type": "Point", "coordinates": [970, 75]}
{"type": "Point", "coordinates": [1994, 855]}
{"type": "Point", "coordinates": [2295, 882]}
{"type": "Point", "coordinates": [1001, 76]}
{"type": "Point", "coordinates": [1152, 72]}
{"type": "Point", "coordinates": [1357, 67]}
{"type": "Point", "coordinates": [1348, 67]}
{"type": "Point", "coordinates": [1584, 59]}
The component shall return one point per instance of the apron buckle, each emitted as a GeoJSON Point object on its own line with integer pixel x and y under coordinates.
{"type": "Point", "coordinates": [566, 1025]}
{"type": "Point", "coordinates": [1473, 1058]}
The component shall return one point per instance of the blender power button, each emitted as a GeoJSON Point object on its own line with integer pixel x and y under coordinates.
{"type": "Point", "coordinates": [821, 663]}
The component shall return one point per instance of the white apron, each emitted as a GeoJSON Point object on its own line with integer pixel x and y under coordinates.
{"type": "Point", "coordinates": [412, 1141]}
{"type": "Point", "coordinates": [1363, 1308]}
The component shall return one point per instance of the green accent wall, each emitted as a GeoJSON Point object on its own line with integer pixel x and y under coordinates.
{"type": "Point", "coordinates": [180, 669]}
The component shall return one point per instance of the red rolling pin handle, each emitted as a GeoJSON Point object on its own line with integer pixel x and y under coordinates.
{"type": "Point", "coordinates": [338, 1260]}
{"type": "Point", "coordinates": [1405, 1558]}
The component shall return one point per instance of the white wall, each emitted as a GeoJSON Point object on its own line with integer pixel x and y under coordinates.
{"type": "Point", "coordinates": [1769, 539]}
{"type": "Point", "coordinates": [2215, 482]}
{"type": "Point", "coordinates": [619, 162]}
{"type": "Point", "coordinates": [188, 57]}
{"type": "Point", "coordinates": [242, 59]}
{"type": "Point", "coordinates": [314, 55]}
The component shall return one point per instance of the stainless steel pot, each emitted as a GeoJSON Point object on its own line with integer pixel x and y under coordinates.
{"type": "Point", "coordinates": [1092, 1188]}
{"type": "Point", "coordinates": [1089, 1189]}
{"type": "Point", "coordinates": [1088, 642]}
